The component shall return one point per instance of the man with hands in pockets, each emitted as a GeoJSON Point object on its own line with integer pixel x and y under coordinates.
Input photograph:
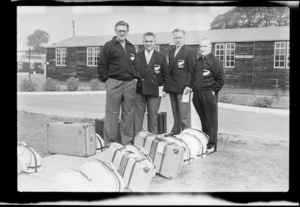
{"type": "Point", "coordinates": [207, 80]}
{"type": "Point", "coordinates": [154, 75]}
{"type": "Point", "coordinates": [118, 68]}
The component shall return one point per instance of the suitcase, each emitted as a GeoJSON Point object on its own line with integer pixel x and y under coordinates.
{"type": "Point", "coordinates": [77, 139]}
{"type": "Point", "coordinates": [99, 128]}
{"type": "Point", "coordinates": [189, 153]}
{"type": "Point", "coordinates": [29, 160]}
{"type": "Point", "coordinates": [99, 143]}
{"type": "Point", "coordinates": [137, 171]}
{"type": "Point", "coordinates": [167, 156]}
{"type": "Point", "coordinates": [93, 176]}
{"type": "Point", "coordinates": [201, 136]}
{"type": "Point", "coordinates": [73, 180]}
{"type": "Point", "coordinates": [161, 122]}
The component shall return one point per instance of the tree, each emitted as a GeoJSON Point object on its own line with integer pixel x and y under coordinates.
{"type": "Point", "coordinates": [241, 17]}
{"type": "Point", "coordinates": [36, 39]}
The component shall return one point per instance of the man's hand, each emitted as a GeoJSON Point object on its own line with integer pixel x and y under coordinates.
{"type": "Point", "coordinates": [213, 93]}
{"type": "Point", "coordinates": [164, 94]}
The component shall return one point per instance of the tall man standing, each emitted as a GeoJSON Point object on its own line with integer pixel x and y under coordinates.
{"type": "Point", "coordinates": [182, 60]}
{"type": "Point", "coordinates": [118, 68]}
{"type": "Point", "coordinates": [207, 80]}
{"type": "Point", "coordinates": [154, 74]}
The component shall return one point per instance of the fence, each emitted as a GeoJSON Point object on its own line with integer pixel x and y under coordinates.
{"type": "Point", "coordinates": [31, 61]}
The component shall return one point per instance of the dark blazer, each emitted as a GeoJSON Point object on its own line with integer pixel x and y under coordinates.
{"type": "Point", "coordinates": [179, 68]}
{"type": "Point", "coordinates": [150, 79]}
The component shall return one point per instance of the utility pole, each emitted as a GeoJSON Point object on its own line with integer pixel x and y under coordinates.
{"type": "Point", "coordinates": [73, 28]}
{"type": "Point", "coordinates": [29, 61]}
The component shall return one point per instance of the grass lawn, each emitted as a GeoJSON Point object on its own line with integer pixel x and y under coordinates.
{"type": "Point", "coordinates": [241, 164]}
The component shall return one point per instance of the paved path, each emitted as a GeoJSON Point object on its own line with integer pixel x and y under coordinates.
{"type": "Point", "coordinates": [233, 119]}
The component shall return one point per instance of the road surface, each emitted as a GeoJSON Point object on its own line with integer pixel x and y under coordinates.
{"type": "Point", "coordinates": [261, 125]}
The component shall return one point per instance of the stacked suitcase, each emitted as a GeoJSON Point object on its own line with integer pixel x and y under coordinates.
{"type": "Point", "coordinates": [130, 167]}
{"type": "Point", "coordinates": [167, 156]}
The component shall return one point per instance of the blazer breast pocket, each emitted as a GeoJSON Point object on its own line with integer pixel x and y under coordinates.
{"type": "Point", "coordinates": [180, 63]}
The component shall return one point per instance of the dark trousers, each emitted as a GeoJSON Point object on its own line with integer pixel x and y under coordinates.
{"type": "Point", "coordinates": [206, 105]}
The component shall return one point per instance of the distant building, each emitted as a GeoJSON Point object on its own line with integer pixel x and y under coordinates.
{"type": "Point", "coordinates": [35, 62]}
{"type": "Point", "coordinates": [252, 57]}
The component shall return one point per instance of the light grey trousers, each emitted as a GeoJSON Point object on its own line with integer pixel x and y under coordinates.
{"type": "Point", "coordinates": [120, 98]}
{"type": "Point", "coordinates": [152, 103]}
{"type": "Point", "coordinates": [181, 113]}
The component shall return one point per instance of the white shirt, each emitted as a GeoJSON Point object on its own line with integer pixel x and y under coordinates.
{"type": "Point", "coordinates": [177, 50]}
{"type": "Point", "coordinates": [148, 55]}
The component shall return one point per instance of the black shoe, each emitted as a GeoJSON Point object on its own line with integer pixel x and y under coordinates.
{"type": "Point", "coordinates": [211, 149]}
{"type": "Point", "coordinates": [170, 134]}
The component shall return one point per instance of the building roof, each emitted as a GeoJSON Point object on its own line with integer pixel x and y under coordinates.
{"type": "Point", "coordinates": [192, 37]}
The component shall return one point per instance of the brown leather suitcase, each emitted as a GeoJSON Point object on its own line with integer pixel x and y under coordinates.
{"type": "Point", "coordinates": [99, 128]}
{"type": "Point", "coordinates": [71, 138]}
{"type": "Point", "coordinates": [161, 122]}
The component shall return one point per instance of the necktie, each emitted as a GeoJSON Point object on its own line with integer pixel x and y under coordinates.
{"type": "Point", "coordinates": [176, 51]}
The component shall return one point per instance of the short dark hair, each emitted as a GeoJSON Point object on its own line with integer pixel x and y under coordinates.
{"type": "Point", "coordinates": [149, 34]}
{"type": "Point", "coordinates": [178, 30]}
{"type": "Point", "coordinates": [122, 23]}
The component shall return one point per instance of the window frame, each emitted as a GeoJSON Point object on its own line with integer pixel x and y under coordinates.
{"type": "Point", "coordinates": [280, 54]}
{"type": "Point", "coordinates": [218, 55]}
{"type": "Point", "coordinates": [157, 47]}
{"type": "Point", "coordinates": [94, 56]}
{"type": "Point", "coordinates": [225, 54]}
{"type": "Point", "coordinates": [31, 66]}
{"type": "Point", "coordinates": [20, 65]}
{"type": "Point", "coordinates": [61, 56]}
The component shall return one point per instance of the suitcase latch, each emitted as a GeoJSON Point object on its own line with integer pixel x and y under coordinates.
{"type": "Point", "coordinates": [175, 150]}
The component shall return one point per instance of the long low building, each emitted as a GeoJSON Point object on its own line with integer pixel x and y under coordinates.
{"type": "Point", "coordinates": [252, 57]}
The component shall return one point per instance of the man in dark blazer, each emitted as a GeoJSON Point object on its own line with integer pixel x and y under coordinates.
{"type": "Point", "coordinates": [182, 60]}
{"type": "Point", "coordinates": [154, 75]}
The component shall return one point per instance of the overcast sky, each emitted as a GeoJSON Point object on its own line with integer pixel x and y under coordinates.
{"type": "Point", "coordinates": [100, 20]}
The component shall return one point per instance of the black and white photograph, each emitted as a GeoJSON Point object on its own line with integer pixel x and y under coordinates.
{"type": "Point", "coordinates": [164, 104]}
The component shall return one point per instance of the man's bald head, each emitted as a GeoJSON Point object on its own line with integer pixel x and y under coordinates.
{"type": "Point", "coordinates": [205, 46]}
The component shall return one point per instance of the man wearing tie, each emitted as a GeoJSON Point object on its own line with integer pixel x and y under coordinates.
{"type": "Point", "coordinates": [154, 74]}
{"type": "Point", "coordinates": [182, 61]}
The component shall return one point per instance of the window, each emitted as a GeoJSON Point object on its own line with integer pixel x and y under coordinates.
{"type": "Point", "coordinates": [225, 52]}
{"type": "Point", "coordinates": [20, 66]}
{"type": "Point", "coordinates": [280, 54]}
{"type": "Point", "coordinates": [61, 56]}
{"type": "Point", "coordinates": [219, 52]}
{"type": "Point", "coordinates": [288, 55]}
{"type": "Point", "coordinates": [31, 65]}
{"type": "Point", "coordinates": [136, 48]}
{"type": "Point", "coordinates": [93, 56]}
{"type": "Point", "coordinates": [229, 55]}
{"type": "Point", "coordinates": [157, 47]}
